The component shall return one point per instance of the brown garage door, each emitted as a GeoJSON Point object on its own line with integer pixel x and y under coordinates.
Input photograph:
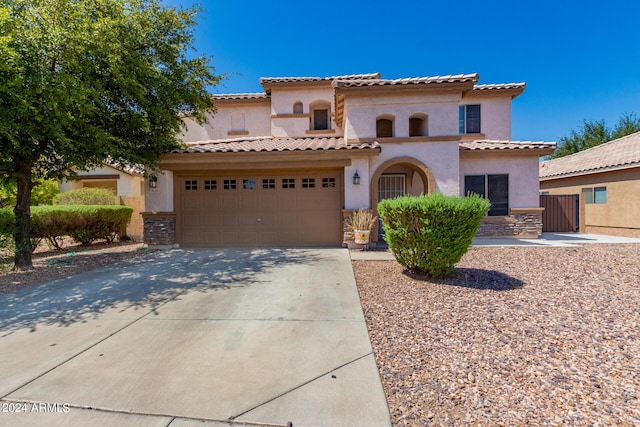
{"type": "Point", "coordinates": [260, 209]}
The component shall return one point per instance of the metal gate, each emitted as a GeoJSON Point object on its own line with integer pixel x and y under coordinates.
{"type": "Point", "coordinates": [561, 212]}
{"type": "Point", "coordinates": [389, 187]}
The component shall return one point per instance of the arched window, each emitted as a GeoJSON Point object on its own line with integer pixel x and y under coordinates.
{"type": "Point", "coordinates": [384, 127]}
{"type": "Point", "coordinates": [320, 115]}
{"type": "Point", "coordinates": [297, 108]}
{"type": "Point", "coordinates": [418, 125]}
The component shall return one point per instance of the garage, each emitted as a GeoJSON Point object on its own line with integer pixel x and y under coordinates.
{"type": "Point", "coordinates": [248, 208]}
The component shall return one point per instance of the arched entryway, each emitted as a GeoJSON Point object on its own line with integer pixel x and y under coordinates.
{"type": "Point", "coordinates": [400, 176]}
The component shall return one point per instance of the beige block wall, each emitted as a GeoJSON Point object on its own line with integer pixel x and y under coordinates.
{"type": "Point", "coordinates": [620, 216]}
{"type": "Point", "coordinates": [136, 226]}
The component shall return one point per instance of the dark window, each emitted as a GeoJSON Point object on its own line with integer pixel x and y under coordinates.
{"type": "Point", "coordinates": [269, 183]}
{"type": "Point", "coordinates": [498, 189]}
{"type": "Point", "coordinates": [417, 127]}
{"type": "Point", "coordinates": [493, 187]}
{"type": "Point", "coordinates": [288, 183]}
{"type": "Point", "coordinates": [297, 108]}
{"type": "Point", "coordinates": [249, 184]}
{"type": "Point", "coordinates": [320, 119]}
{"type": "Point", "coordinates": [229, 184]}
{"type": "Point", "coordinates": [308, 182]}
{"type": "Point", "coordinates": [469, 119]}
{"type": "Point", "coordinates": [474, 184]}
{"type": "Point", "coordinates": [328, 182]}
{"type": "Point", "coordinates": [210, 184]}
{"type": "Point", "coordinates": [384, 128]}
{"type": "Point", "coordinates": [191, 185]}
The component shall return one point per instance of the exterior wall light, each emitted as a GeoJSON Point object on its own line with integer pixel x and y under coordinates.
{"type": "Point", "coordinates": [153, 182]}
{"type": "Point", "coordinates": [356, 178]}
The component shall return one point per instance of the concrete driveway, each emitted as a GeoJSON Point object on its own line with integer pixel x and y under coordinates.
{"type": "Point", "coordinates": [193, 337]}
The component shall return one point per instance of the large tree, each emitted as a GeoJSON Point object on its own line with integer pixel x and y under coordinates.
{"type": "Point", "coordinates": [595, 132]}
{"type": "Point", "coordinates": [82, 81]}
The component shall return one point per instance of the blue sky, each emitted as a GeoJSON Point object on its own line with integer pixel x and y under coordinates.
{"type": "Point", "coordinates": [580, 59]}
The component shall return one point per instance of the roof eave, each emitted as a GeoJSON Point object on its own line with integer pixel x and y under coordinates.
{"type": "Point", "coordinates": [590, 171]}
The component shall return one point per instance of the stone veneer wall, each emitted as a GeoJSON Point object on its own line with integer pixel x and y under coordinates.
{"type": "Point", "coordinates": [522, 222]}
{"type": "Point", "coordinates": [159, 228]}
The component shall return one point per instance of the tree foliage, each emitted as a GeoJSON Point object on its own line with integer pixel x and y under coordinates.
{"type": "Point", "coordinates": [83, 81]}
{"type": "Point", "coordinates": [595, 132]}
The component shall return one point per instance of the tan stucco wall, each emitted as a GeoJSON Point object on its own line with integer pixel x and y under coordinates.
{"type": "Point", "coordinates": [282, 101]}
{"type": "Point", "coordinates": [441, 110]}
{"type": "Point", "coordinates": [495, 116]}
{"type": "Point", "coordinates": [522, 170]}
{"type": "Point", "coordinates": [442, 158]}
{"type": "Point", "coordinates": [126, 185]}
{"type": "Point", "coordinates": [620, 215]}
{"type": "Point", "coordinates": [256, 119]}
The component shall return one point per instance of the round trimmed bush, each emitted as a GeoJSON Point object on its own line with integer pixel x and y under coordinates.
{"type": "Point", "coordinates": [429, 234]}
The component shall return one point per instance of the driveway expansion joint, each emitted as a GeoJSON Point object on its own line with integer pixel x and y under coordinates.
{"type": "Point", "coordinates": [76, 354]}
{"type": "Point", "coordinates": [301, 385]}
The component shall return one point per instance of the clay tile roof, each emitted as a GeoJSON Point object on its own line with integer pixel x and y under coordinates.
{"type": "Point", "coordinates": [264, 80]}
{"type": "Point", "coordinates": [266, 144]}
{"type": "Point", "coordinates": [458, 78]}
{"type": "Point", "coordinates": [225, 96]}
{"type": "Point", "coordinates": [496, 145]}
{"type": "Point", "coordinates": [620, 153]}
{"type": "Point", "coordinates": [500, 86]}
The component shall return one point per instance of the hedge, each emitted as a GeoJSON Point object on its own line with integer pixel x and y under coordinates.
{"type": "Point", "coordinates": [429, 234]}
{"type": "Point", "coordinates": [83, 223]}
{"type": "Point", "coordinates": [86, 196]}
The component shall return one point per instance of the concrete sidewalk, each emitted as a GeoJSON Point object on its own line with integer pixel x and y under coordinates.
{"type": "Point", "coordinates": [566, 240]}
{"type": "Point", "coordinates": [193, 337]}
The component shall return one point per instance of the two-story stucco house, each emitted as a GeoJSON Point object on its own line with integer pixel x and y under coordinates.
{"type": "Point", "coordinates": [286, 166]}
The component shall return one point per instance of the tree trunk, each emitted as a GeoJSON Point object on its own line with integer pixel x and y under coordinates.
{"type": "Point", "coordinates": [22, 211]}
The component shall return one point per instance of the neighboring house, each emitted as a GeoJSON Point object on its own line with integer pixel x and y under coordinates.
{"type": "Point", "coordinates": [127, 186]}
{"type": "Point", "coordinates": [607, 178]}
{"type": "Point", "coordinates": [287, 166]}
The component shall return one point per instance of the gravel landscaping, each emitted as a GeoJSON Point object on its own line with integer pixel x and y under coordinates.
{"type": "Point", "coordinates": [72, 259]}
{"type": "Point", "coordinates": [520, 336]}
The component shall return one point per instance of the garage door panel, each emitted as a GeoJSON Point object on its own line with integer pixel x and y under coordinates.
{"type": "Point", "coordinates": [259, 215]}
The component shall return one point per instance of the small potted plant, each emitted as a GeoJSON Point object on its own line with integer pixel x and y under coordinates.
{"type": "Point", "coordinates": [361, 223]}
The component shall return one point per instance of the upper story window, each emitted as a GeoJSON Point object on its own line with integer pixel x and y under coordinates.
{"type": "Point", "coordinates": [418, 125]}
{"type": "Point", "coordinates": [237, 122]}
{"type": "Point", "coordinates": [384, 127]}
{"type": "Point", "coordinates": [297, 108]}
{"type": "Point", "coordinates": [469, 119]}
{"type": "Point", "coordinates": [320, 116]}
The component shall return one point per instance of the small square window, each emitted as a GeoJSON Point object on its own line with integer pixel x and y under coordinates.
{"type": "Point", "coordinates": [269, 183]}
{"type": "Point", "coordinates": [229, 184]}
{"type": "Point", "coordinates": [600, 195]}
{"type": "Point", "coordinates": [587, 193]}
{"type": "Point", "coordinates": [308, 182]}
{"type": "Point", "coordinates": [190, 184]}
{"type": "Point", "coordinates": [210, 184]}
{"type": "Point", "coordinates": [328, 182]}
{"type": "Point", "coordinates": [249, 184]}
{"type": "Point", "coordinates": [288, 183]}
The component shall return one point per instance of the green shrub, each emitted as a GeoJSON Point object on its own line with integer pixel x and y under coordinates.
{"type": "Point", "coordinates": [84, 223]}
{"type": "Point", "coordinates": [7, 221]}
{"type": "Point", "coordinates": [429, 234]}
{"type": "Point", "coordinates": [86, 196]}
